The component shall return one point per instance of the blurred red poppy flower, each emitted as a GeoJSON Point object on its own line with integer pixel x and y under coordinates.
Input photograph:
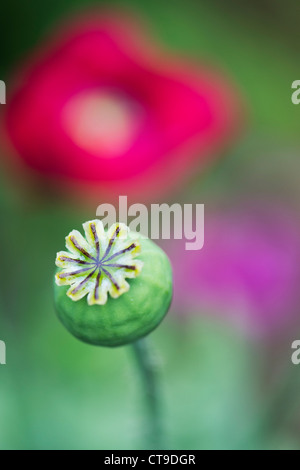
{"type": "Point", "coordinates": [248, 269]}
{"type": "Point", "coordinates": [102, 106]}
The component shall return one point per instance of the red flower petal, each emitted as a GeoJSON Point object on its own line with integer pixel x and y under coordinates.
{"type": "Point", "coordinates": [100, 107]}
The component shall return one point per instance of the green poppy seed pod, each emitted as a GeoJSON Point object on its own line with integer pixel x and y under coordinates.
{"type": "Point", "coordinates": [93, 299]}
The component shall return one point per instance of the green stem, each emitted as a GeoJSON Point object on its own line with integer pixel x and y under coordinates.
{"type": "Point", "coordinates": [148, 371]}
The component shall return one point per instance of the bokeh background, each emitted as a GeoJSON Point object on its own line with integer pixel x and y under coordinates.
{"type": "Point", "coordinates": [224, 352]}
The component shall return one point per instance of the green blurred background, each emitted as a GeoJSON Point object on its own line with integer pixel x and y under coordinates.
{"type": "Point", "coordinates": [219, 386]}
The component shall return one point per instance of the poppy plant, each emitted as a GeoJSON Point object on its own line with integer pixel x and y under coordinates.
{"type": "Point", "coordinates": [96, 265]}
{"type": "Point", "coordinates": [104, 107]}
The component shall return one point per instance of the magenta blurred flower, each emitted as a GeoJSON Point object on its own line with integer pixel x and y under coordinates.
{"type": "Point", "coordinates": [102, 105]}
{"type": "Point", "coordinates": [249, 270]}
